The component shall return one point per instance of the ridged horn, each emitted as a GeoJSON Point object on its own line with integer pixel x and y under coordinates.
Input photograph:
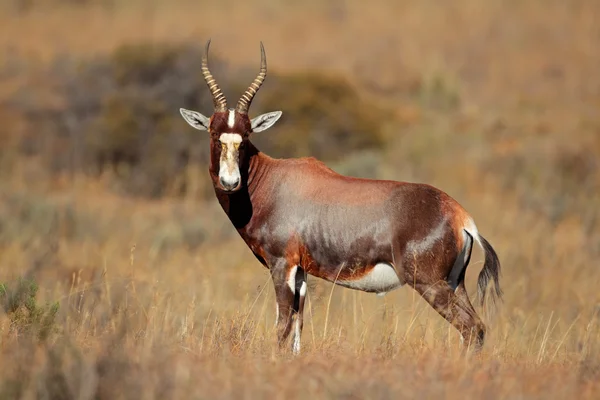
{"type": "Point", "coordinates": [218, 96]}
{"type": "Point", "coordinates": [244, 104]}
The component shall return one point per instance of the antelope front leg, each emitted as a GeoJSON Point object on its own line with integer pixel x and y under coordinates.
{"type": "Point", "coordinates": [299, 296]}
{"type": "Point", "coordinates": [290, 291]}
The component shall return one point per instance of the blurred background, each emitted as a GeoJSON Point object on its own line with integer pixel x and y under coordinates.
{"type": "Point", "coordinates": [110, 232]}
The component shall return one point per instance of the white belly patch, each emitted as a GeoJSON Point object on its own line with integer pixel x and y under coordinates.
{"type": "Point", "coordinates": [381, 279]}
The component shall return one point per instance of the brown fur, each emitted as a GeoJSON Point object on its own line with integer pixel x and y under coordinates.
{"type": "Point", "coordinates": [298, 212]}
{"type": "Point", "coordinates": [300, 217]}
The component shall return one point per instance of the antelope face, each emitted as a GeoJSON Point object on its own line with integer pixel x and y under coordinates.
{"type": "Point", "coordinates": [230, 128]}
{"type": "Point", "coordinates": [229, 131]}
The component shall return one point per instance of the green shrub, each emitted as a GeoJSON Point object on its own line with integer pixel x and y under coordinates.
{"type": "Point", "coordinates": [26, 315]}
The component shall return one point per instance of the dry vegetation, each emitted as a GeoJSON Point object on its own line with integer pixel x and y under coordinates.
{"type": "Point", "coordinates": [121, 277]}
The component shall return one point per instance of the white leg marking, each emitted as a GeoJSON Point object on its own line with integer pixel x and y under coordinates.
{"type": "Point", "coordinates": [276, 314]}
{"type": "Point", "coordinates": [296, 344]}
{"type": "Point", "coordinates": [291, 280]}
{"type": "Point", "coordinates": [303, 289]}
{"type": "Point", "coordinates": [231, 118]}
{"type": "Point", "coordinates": [297, 333]}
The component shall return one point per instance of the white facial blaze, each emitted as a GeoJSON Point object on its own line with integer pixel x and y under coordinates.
{"type": "Point", "coordinates": [231, 118]}
{"type": "Point", "coordinates": [229, 169]}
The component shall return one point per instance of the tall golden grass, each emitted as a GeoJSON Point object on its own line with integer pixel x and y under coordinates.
{"type": "Point", "coordinates": [161, 299]}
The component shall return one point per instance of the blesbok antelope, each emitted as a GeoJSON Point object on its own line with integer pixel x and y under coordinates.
{"type": "Point", "coordinates": [299, 217]}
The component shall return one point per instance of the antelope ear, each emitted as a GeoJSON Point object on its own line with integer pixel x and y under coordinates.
{"type": "Point", "coordinates": [265, 121]}
{"type": "Point", "coordinates": [195, 119]}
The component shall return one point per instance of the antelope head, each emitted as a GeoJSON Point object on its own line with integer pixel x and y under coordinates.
{"type": "Point", "coordinates": [230, 128]}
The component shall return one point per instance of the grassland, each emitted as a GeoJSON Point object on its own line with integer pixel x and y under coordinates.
{"type": "Point", "coordinates": [496, 103]}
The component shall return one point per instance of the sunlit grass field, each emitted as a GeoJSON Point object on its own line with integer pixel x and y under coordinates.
{"type": "Point", "coordinates": [111, 295]}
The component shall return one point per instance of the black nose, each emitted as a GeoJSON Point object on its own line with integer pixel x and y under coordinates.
{"type": "Point", "coordinates": [229, 185]}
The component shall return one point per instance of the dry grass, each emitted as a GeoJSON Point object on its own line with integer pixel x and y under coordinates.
{"type": "Point", "coordinates": [495, 102]}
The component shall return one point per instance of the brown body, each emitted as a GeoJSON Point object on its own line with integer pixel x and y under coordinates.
{"type": "Point", "coordinates": [299, 217]}
{"type": "Point", "coordinates": [336, 227]}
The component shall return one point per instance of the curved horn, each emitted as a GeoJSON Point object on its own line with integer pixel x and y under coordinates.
{"type": "Point", "coordinates": [246, 99]}
{"type": "Point", "coordinates": [218, 96]}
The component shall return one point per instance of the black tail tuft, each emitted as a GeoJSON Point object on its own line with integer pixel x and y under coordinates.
{"type": "Point", "coordinates": [490, 272]}
{"type": "Point", "coordinates": [457, 273]}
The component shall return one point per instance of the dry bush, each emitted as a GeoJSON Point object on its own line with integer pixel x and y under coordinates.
{"type": "Point", "coordinates": [324, 117]}
{"type": "Point", "coordinates": [118, 115]}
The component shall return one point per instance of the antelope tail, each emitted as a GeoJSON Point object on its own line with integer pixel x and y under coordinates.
{"type": "Point", "coordinates": [489, 273]}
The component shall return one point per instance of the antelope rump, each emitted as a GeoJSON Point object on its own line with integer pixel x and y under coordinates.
{"type": "Point", "coordinates": [301, 218]}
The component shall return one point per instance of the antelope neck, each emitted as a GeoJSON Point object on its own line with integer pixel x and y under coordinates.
{"type": "Point", "coordinates": [254, 169]}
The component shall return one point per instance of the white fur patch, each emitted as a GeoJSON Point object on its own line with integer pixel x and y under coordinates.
{"type": "Point", "coordinates": [229, 175]}
{"type": "Point", "coordinates": [303, 289]}
{"type": "Point", "coordinates": [230, 138]}
{"type": "Point", "coordinates": [472, 229]}
{"type": "Point", "coordinates": [382, 278]}
{"type": "Point", "coordinates": [291, 280]}
{"type": "Point", "coordinates": [425, 244]}
{"type": "Point", "coordinates": [231, 118]}
{"type": "Point", "coordinates": [296, 343]}
{"type": "Point", "coordinates": [229, 169]}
